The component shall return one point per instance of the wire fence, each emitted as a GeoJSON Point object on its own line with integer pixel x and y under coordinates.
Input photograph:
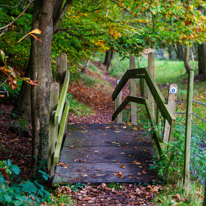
{"type": "Point", "coordinates": [198, 146]}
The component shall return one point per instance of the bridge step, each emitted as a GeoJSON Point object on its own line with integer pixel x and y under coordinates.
{"type": "Point", "coordinates": [105, 153]}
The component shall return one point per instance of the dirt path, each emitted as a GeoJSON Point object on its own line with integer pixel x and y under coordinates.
{"type": "Point", "coordinates": [96, 98]}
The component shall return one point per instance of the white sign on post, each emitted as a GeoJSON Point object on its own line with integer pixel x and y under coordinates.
{"type": "Point", "coordinates": [173, 90]}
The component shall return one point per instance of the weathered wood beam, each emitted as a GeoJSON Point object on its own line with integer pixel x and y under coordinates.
{"type": "Point", "coordinates": [156, 137]}
{"type": "Point", "coordinates": [62, 99]}
{"type": "Point", "coordinates": [134, 73]}
{"type": "Point", "coordinates": [61, 134]}
{"type": "Point", "coordinates": [159, 99]}
{"type": "Point", "coordinates": [128, 99]}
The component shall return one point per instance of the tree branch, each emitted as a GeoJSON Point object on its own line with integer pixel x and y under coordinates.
{"type": "Point", "coordinates": [12, 6]}
{"type": "Point", "coordinates": [80, 34]}
{"type": "Point", "coordinates": [6, 27]}
{"type": "Point", "coordinates": [61, 14]}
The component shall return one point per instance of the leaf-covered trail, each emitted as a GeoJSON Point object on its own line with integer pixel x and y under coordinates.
{"type": "Point", "coordinates": [97, 97]}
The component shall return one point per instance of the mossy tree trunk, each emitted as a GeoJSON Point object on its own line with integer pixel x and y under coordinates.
{"type": "Point", "coordinates": [46, 16]}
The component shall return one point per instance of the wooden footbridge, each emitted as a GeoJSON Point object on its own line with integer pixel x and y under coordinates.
{"type": "Point", "coordinates": [107, 152]}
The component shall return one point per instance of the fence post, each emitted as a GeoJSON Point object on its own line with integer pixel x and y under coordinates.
{"type": "Point", "coordinates": [188, 129]}
{"type": "Point", "coordinates": [204, 203]}
{"type": "Point", "coordinates": [53, 129]}
{"type": "Point", "coordinates": [133, 92]}
{"type": "Point", "coordinates": [61, 67]}
{"type": "Point", "coordinates": [172, 98]}
{"type": "Point", "coordinates": [118, 102]}
{"type": "Point", "coordinates": [151, 68]}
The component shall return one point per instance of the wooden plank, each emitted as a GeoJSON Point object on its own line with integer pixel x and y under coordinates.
{"type": "Point", "coordinates": [61, 67]}
{"type": "Point", "coordinates": [128, 99]}
{"type": "Point", "coordinates": [159, 99]}
{"type": "Point", "coordinates": [134, 73]}
{"type": "Point", "coordinates": [61, 134]}
{"type": "Point", "coordinates": [157, 138]}
{"type": "Point", "coordinates": [188, 129]}
{"type": "Point", "coordinates": [62, 99]}
{"type": "Point", "coordinates": [118, 102]}
{"type": "Point", "coordinates": [133, 92]}
{"type": "Point", "coordinates": [172, 98]}
{"type": "Point", "coordinates": [53, 129]}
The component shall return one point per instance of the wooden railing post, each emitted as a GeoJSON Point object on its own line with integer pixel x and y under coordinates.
{"type": "Point", "coordinates": [151, 69]}
{"type": "Point", "coordinates": [61, 67]}
{"type": "Point", "coordinates": [133, 92]}
{"type": "Point", "coordinates": [172, 98]}
{"type": "Point", "coordinates": [118, 102]}
{"type": "Point", "coordinates": [188, 129]}
{"type": "Point", "coordinates": [53, 128]}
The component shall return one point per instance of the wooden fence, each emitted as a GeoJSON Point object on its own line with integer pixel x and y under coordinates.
{"type": "Point", "coordinates": [147, 81]}
{"type": "Point", "coordinates": [59, 109]}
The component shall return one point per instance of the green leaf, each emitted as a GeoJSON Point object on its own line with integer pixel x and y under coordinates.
{"type": "Point", "coordinates": [44, 175]}
{"type": "Point", "coordinates": [2, 55]}
{"type": "Point", "coordinates": [8, 162]}
{"type": "Point", "coordinates": [15, 169]}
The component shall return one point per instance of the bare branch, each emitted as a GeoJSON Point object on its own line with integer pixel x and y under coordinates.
{"type": "Point", "coordinates": [12, 6]}
{"type": "Point", "coordinates": [6, 27]}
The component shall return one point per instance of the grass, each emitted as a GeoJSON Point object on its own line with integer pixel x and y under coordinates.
{"type": "Point", "coordinates": [176, 195]}
{"type": "Point", "coordinates": [79, 108]}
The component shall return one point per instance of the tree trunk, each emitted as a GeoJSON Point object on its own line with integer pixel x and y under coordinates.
{"type": "Point", "coordinates": [108, 58]}
{"type": "Point", "coordinates": [40, 67]}
{"type": "Point", "coordinates": [179, 51]}
{"type": "Point", "coordinates": [46, 17]}
{"type": "Point", "coordinates": [170, 48]}
{"type": "Point", "coordinates": [186, 59]}
{"type": "Point", "coordinates": [202, 60]}
{"type": "Point", "coordinates": [23, 106]}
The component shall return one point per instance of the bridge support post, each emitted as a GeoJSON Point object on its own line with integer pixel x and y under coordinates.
{"type": "Point", "coordinates": [151, 69]}
{"type": "Point", "coordinates": [133, 92]}
{"type": "Point", "coordinates": [61, 67]}
{"type": "Point", "coordinates": [53, 129]}
{"type": "Point", "coordinates": [118, 102]}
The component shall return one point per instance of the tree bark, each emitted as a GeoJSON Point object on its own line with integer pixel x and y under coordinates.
{"type": "Point", "coordinates": [202, 60]}
{"type": "Point", "coordinates": [179, 51]}
{"type": "Point", "coordinates": [40, 67]}
{"type": "Point", "coordinates": [108, 58]}
{"type": "Point", "coordinates": [186, 59]}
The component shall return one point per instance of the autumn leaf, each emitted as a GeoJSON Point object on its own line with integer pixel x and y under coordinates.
{"type": "Point", "coordinates": [119, 174]}
{"type": "Point", "coordinates": [130, 176]}
{"type": "Point", "coordinates": [123, 166]}
{"type": "Point", "coordinates": [139, 173]}
{"type": "Point", "coordinates": [136, 163]}
{"type": "Point", "coordinates": [35, 31]}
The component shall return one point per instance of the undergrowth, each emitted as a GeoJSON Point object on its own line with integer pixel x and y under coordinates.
{"type": "Point", "coordinates": [79, 108]}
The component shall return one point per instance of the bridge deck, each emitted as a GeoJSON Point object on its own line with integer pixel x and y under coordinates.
{"type": "Point", "coordinates": [105, 153]}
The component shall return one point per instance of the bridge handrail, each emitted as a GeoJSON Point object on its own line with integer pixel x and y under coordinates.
{"type": "Point", "coordinates": [59, 109]}
{"type": "Point", "coordinates": [159, 99]}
